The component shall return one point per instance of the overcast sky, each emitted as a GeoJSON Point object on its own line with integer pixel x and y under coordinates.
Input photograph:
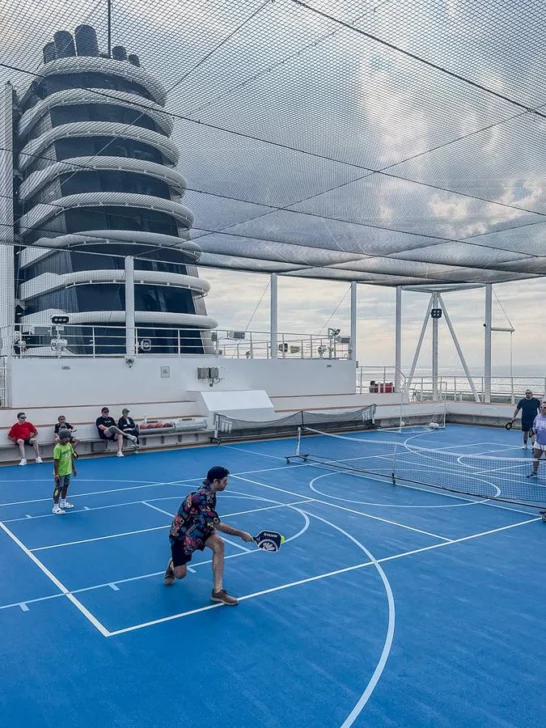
{"type": "Point", "coordinates": [278, 72]}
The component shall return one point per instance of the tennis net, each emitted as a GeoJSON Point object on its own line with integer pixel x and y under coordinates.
{"type": "Point", "coordinates": [480, 476]}
{"type": "Point", "coordinates": [228, 428]}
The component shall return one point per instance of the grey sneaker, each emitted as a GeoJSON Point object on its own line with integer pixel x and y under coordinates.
{"type": "Point", "coordinates": [169, 574]}
{"type": "Point", "coordinates": [224, 598]}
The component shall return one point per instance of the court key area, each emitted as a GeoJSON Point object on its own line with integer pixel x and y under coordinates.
{"type": "Point", "coordinates": [392, 602]}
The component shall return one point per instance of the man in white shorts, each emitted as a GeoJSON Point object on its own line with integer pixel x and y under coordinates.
{"type": "Point", "coordinates": [539, 446]}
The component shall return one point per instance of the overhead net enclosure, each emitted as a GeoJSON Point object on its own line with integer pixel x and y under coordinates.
{"type": "Point", "coordinates": [361, 140]}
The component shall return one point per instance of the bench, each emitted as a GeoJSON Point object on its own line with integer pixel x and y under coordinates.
{"type": "Point", "coordinates": [91, 444]}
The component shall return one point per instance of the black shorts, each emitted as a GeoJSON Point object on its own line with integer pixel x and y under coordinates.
{"type": "Point", "coordinates": [27, 442]}
{"type": "Point", "coordinates": [179, 555]}
{"type": "Point", "coordinates": [527, 425]}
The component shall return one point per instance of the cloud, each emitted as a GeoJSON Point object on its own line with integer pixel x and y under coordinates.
{"type": "Point", "coordinates": [300, 81]}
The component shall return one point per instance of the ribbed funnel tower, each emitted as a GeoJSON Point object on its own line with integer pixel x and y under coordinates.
{"type": "Point", "coordinates": [97, 173]}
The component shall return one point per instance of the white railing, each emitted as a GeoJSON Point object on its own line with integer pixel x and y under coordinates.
{"type": "Point", "coordinates": [456, 387]}
{"type": "Point", "coordinates": [504, 390]}
{"type": "Point", "coordinates": [110, 341]}
{"type": "Point", "coordinates": [379, 380]}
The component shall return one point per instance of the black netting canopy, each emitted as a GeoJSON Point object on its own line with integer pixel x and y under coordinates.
{"type": "Point", "coordinates": [381, 141]}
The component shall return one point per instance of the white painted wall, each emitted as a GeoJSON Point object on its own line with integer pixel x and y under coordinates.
{"type": "Point", "coordinates": [75, 381]}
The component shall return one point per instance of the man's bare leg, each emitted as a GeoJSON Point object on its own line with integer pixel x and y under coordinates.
{"type": "Point", "coordinates": [219, 594]}
{"type": "Point", "coordinates": [174, 572]}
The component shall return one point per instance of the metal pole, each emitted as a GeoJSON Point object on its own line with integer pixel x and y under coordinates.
{"type": "Point", "coordinates": [487, 352]}
{"type": "Point", "coordinates": [354, 304]}
{"type": "Point", "coordinates": [273, 312]}
{"type": "Point", "coordinates": [398, 341]}
{"type": "Point", "coordinates": [435, 322]}
{"type": "Point", "coordinates": [419, 345]}
{"type": "Point", "coordinates": [7, 257]}
{"type": "Point", "coordinates": [459, 350]}
{"type": "Point", "coordinates": [129, 306]}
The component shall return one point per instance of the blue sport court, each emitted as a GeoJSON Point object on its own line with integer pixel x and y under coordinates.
{"type": "Point", "coordinates": [388, 605]}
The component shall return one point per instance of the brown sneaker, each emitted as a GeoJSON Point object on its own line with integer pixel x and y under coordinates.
{"type": "Point", "coordinates": [224, 598]}
{"type": "Point", "coordinates": [169, 574]}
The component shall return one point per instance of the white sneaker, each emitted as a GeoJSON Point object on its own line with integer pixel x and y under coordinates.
{"type": "Point", "coordinates": [66, 504]}
{"type": "Point", "coordinates": [119, 455]}
{"type": "Point", "coordinates": [23, 462]}
{"type": "Point", "coordinates": [524, 447]}
{"type": "Point", "coordinates": [39, 460]}
{"type": "Point", "coordinates": [57, 510]}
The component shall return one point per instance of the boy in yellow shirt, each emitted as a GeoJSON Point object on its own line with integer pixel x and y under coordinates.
{"type": "Point", "coordinates": [63, 455]}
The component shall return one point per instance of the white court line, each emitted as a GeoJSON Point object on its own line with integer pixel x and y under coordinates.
{"type": "Point", "coordinates": [254, 452]}
{"type": "Point", "coordinates": [387, 646]}
{"type": "Point", "coordinates": [160, 510]}
{"type": "Point", "coordinates": [98, 538]}
{"type": "Point", "coordinates": [321, 576]}
{"type": "Point", "coordinates": [177, 496]}
{"type": "Point", "coordinates": [111, 584]}
{"type": "Point", "coordinates": [94, 508]}
{"type": "Point", "coordinates": [242, 513]}
{"type": "Point", "coordinates": [138, 487]}
{"type": "Point", "coordinates": [159, 528]}
{"type": "Point", "coordinates": [344, 508]}
{"type": "Point", "coordinates": [234, 543]}
{"type": "Point", "coordinates": [86, 613]}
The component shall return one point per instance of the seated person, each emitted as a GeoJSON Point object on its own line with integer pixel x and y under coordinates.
{"type": "Point", "coordinates": [127, 424]}
{"type": "Point", "coordinates": [24, 433]}
{"type": "Point", "coordinates": [62, 424]}
{"type": "Point", "coordinates": [108, 430]}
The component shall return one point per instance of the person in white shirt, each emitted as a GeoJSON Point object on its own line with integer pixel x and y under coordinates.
{"type": "Point", "coordinates": [539, 446]}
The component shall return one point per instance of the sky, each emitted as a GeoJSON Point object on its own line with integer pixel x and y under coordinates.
{"type": "Point", "coordinates": [308, 307]}
{"type": "Point", "coordinates": [463, 179]}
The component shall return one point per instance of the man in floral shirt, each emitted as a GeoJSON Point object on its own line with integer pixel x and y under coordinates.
{"type": "Point", "coordinates": [194, 527]}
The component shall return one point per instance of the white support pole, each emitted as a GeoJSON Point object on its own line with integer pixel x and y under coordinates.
{"type": "Point", "coordinates": [419, 344]}
{"type": "Point", "coordinates": [7, 257]}
{"type": "Point", "coordinates": [130, 332]}
{"type": "Point", "coordinates": [398, 342]}
{"type": "Point", "coordinates": [274, 316]}
{"type": "Point", "coordinates": [354, 304]}
{"type": "Point", "coordinates": [459, 350]}
{"type": "Point", "coordinates": [435, 321]}
{"type": "Point", "coordinates": [487, 351]}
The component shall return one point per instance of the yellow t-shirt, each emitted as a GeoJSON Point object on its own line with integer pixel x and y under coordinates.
{"type": "Point", "coordinates": [64, 453]}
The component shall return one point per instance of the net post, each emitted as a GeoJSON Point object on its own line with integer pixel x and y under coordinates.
{"type": "Point", "coordinates": [298, 446]}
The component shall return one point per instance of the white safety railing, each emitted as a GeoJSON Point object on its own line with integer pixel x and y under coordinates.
{"type": "Point", "coordinates": [456, 387]}
{"type": "Point", "coordinates": [379, 380]}
{"type": "Point", "coordinates": [111, 341]}
{"type": "Point", "coordinates": [504, 390]}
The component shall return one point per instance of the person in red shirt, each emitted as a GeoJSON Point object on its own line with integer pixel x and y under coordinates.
{"type": "Point", "coordinates": [24, 433]}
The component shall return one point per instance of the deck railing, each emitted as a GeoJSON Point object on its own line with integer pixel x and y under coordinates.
{"type": "Point", "coordinates": [455, 387]}
{"type": "Point", "coordinates": [103, 340]}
